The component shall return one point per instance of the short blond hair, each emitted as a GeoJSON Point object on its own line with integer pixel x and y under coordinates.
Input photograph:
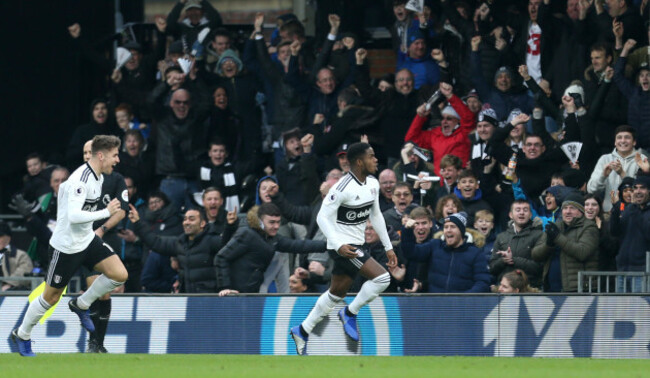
{"type": "Point", "coordinates": [484, 214]}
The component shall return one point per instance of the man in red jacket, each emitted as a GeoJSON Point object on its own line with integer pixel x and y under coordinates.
{"type": "Point", "coordinates": [452, 137]}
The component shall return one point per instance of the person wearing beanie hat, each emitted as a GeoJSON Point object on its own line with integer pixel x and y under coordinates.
{"type": "Point", "coordinates": [576, 239]}
{"type": "Point", "coordinates": [229, 64]}
{"type": "Point", "coordinates": [418, 60]}
{"type": "Point", "coordinates": [500, 92]}
{"type": "Point", "coordinates": [455, 264]}
{"type": "Point", "coordinates": [487, 123]}
{"type": "Point", "coordinates": [630, 224]}
{"type": "Point", "coordinates": [575, 178]}
{"type": "Point", "coordinates": [613, 167]}
{"type": "Point", "coordinates": [473, 101]}
{"type": "Point", "coordinates": [452, 137]}
{"type": "Point", "coordinates": [625, 190]}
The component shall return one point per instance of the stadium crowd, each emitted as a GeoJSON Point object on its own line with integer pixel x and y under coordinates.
{"type": "Point", "coordinates": [512, 142]}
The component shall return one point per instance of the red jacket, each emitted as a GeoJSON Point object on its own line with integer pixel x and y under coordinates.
{"type": "Point", "coordinates": [457, 143]}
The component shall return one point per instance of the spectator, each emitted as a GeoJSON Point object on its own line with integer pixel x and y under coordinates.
{"type": "Point", "coordinates": [37, 180]}
{"type": "Point", "coordinates": [99, 124]}
{"type": "Point", "coordinates": [512, 248]}
{"type": "Point", "coordinates": [417, 60]}
{"type": "Point", "coordinates": [515, 282]}
{"type": "Point", "coordinates": [470, 195]}
{"type": "Point", "coordinates": [399, 30]}
{"type": "Point", "coordinates": [126, 121]}
{"type": "Point", "coordinates": [298, 285]}
{"type": "Point", "coordinates": [455, 266]}
{"type": "Point", "coordinates": [631, 227]}
{"type": "Point", "coordinates": [241, 263]}
{"type": "Point", "coordinates": [637, 94]}
{"type": "Point", "coordinates": [224, 123]}
{"type": "Point", "coordinates": [180, 138]}
{"type": "Point", "coordinates": [450, 166]}
{"type": "Point", "coordinates": [452, 136]}
{"type": "Point", "coordinates": [403, 204]}
{"type": "Point", "coordinates": [135, 162]}
{"type": "Point", "coordinates": [219, 172]}
{"type": "Point", "coordinates": [14, 261]}
{"type": "Point", "coordinates": [568, 246]}
{"type": "Point", "coordinates": [607, 244]}
{"type": "Point", "coordinates": [415, 161]}
{"type": "Point", "coordinates": [194, 249]}
{"type": "Point", "coordinates": [220, 41]}
{"type": "Point", "coordinates": [502, 96]}
{"type": "Point", "coordinates": [387, 181]}
{"type": "Point", "coordinates": [215, 214]}
{"type": "Point", "coordinates": [484, 224]}
{"type": "Point", "coordinates": [614, 106]}
{"type": "Point", "coordinates": [289, 170]}
{"type": "Point", "coordinates": [161, 218]}
{"type": "Point", "coordinates": [372, 244]}
{"type": "Point", "coordinates": [612, 168]}
{"type": "Point", "coordinates": [487, 123]}
{"type": "Point", "coordinates": [397, 105]}
{"type": "Point", "coordinates": [447, 205]}
{"type": "Point", "coordinates": [197, 15]}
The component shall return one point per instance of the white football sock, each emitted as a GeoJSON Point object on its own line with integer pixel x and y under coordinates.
{"type": "Point", "coordinates": [34, 313]}
{"type": "Point", "coordinates": [101, 286]}
{"type": "Point", "coordinates": [325, 304]}
{"type": "Point", "coordinates": [369, 291]}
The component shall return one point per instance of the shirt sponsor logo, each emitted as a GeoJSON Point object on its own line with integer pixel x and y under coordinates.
{"type": "Point", "coordinates": [353, 215]}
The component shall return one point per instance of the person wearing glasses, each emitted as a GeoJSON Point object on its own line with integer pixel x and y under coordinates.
{"type": "Point", "coordinates": [452, 137]}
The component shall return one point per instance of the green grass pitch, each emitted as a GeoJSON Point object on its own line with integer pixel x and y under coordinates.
{"type": "Point", "coordinates": [174, 366]}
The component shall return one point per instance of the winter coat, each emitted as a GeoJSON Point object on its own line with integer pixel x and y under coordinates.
{"type": "Point", "coordinates": [179, 142]}
{"type": "Point", "coordinates": [184, 29]}
{"type": "Point", "coordinates": [633, 230]}
{"type": "Point", "coordinates": [578, 243]}
{"type": "Point", "coordinates": [347, 127]}
{"type": "Point", "coordinates": [638, 111]}
{"type": "Point", "coordinates": [501, 102]}
{"type": "Point", "coordinates": [425, 71]}
{"type": "Point", "coordinates": [196, 274]}
{"type": "Point", "coordinates": [16, 262]}
{"type": "Point", "coordinates": [451, 270]}
{"type": "Point", "coordinates": [612, 110]}
{"type": "Point", "coordinates": [241, 263]}
{"type": "Point", "coordinates": [601, 184]}
{"type": "Point", "coordinates": [456, 144]}
{"type": "Point", "coordinates": [521, 244]}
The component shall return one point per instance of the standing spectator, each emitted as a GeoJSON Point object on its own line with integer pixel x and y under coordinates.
{"type": "Point", "coordinates": [452, 135]}
{"type": "Point", "coordinates": [470, 195]}
{"type": "Point", "coordinates": [455, 266]}
{"type": "Point", "coordinates": [194, 249]}
{"type": "Point", "coordinates": [197, 15]}
{"type": "Point", "coordinates": [224, 123]}
{"type": "Point", "coordinates": [637, 94]}
{"type": "Point", "coordinates": [180, 138]}
{"type": "Point", "coordinates": [220, 173]}
{"type": "Point", "coordinates": [241, 263]}
{"type": "Point", "coordinates": [631, 227]}
{"type": "Point", "coordinates": [399, 30]}
{"type": "Point", "coordinates": [512, 248]}
{"type": "Point", "coordinates": [612, 168]}
{"type": "Point", "coordinates": [568, 246]}
{"type": "Point", "coordinates": [98, 125]}
{"type": "Point", "coordinates": [220, 41]}
{"type": "Point", "coordinates": [502, 96]}
{"type": "Point", "coordinates": [417, 60]}
{"type": "Point", "coordinates": [135, 162]}
{"type": "Point", "coordinates": [37, 180]}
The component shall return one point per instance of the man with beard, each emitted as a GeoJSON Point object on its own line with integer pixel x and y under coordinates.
{"type": "Point", "coordinates": [99, 124]}
{"type": "Point", "coordinates": [396, 105]}
{"type": "Point", "coordinates": [214, 212]}
{"type": "Point", "coordinates": [452, 135]}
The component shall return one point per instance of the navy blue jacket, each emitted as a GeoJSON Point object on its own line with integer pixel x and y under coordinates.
{"type": "Point", "coordinates": [633, 230]}
{"type": "Point", "coordinates": [451, 270]}
{"type": "Point", "coordinates": [638, 111]}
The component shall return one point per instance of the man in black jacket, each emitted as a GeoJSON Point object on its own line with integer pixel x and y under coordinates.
{"type": "Point", "coordinates": [241, 263]}
{"type": "Point", "coordinates": [194, 249]}
{"type": "Point", "coordinates": [180, 136]}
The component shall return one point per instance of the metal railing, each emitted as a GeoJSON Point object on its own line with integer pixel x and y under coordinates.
{"type": "Point", "coordinates": [601, 280]}
{"type": "Point", "coordinates": [74, 286]}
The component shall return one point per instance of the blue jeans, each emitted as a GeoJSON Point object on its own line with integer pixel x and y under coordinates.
{"type": "Point", "coordinates": [179, 190]}
{"type": "Point", "coordinates": [632, 284]}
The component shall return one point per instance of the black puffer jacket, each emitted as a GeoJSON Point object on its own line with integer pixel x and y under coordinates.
{"type": "Point", "coordinates": [241, 263]}
{"type": "Point", "coordinates": [194, 256]}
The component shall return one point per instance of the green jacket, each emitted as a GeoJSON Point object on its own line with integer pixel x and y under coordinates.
{"type": "Point", "coordinates": [521, 244]}
{"type": "Point", "coordinates": [578, 243]}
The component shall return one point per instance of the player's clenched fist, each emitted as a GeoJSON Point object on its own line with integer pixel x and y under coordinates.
{"type": "Point", "coordinates": [114, 206]}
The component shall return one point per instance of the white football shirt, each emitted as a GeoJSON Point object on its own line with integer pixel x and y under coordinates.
{"type": "Point", "coordinates": [77, 210]}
